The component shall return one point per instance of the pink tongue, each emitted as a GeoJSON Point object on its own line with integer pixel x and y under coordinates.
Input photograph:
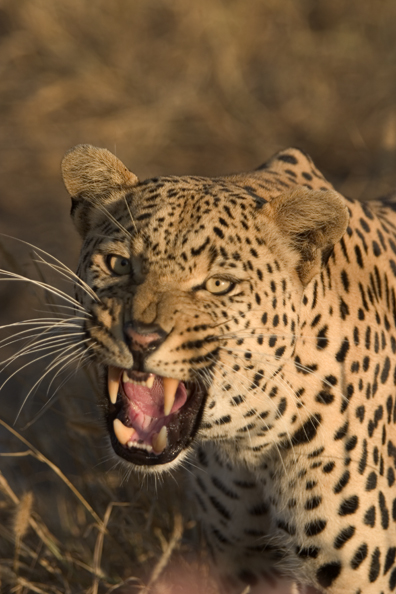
{"type": "Point", "coordinates": [149, 401]}
{"type": "Point", "coordinates": [146, 411]}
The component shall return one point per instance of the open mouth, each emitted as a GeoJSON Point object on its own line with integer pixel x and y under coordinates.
{"type": "Point", "coordinates": [151, 418]}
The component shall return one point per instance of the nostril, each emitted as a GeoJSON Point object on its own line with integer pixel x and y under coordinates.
{"type": "Point", "coordinates": [142, 337]}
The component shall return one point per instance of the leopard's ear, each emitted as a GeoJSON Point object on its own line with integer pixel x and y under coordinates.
{"type": "Point", "coordinates": [94, 177]}
{"type": "Point", "coordinates": [306, 226]}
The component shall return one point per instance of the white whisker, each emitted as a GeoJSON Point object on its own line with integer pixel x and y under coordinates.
{"type": "Point", "coordinates": [27, 333]}
{"type": "Point", "coordinates": [104, 210]}
{"type": "Point", "coordinates": [56, 394]}
{"type": "Point", "coordinates": [13, 276]}
{"type": "Point", "coordinates": [65, 360]}
{"type": "Point", "coordinates": [27, 365]}
{"type": "Point", "coordinates": [130, 214]}
{"type": "Point", "coordinates": [59, 267]}
{"type": "Point", "coordinates": [70, 276]}
{"type": "Point", "coordinates": [41, 345]}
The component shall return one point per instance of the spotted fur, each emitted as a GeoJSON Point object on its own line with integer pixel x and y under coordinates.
{"type": "Point", "coordinates": [293, 442]}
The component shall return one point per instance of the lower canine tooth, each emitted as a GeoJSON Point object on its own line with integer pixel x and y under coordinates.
{"type": "Point", "coordinates": [113, 381]}
{"type": "Point", "coordinates": [160, 441]}
{"type": "Point", "coordinates": [150, 381]}
{"type": "Point", "coordinates": [122, 433]}
{"type": "Point", "coordinates": [170, 387]}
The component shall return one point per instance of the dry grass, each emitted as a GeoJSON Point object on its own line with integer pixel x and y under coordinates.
{"type": "Point", "coordinates": [171, 86]}
{"type": "Point", "coordinates": [124, 543]}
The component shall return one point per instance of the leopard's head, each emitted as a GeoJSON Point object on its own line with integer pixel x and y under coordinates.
{"type": "Point", "coordinates": [182, 280]}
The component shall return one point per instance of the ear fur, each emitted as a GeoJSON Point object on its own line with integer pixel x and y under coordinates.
{"type": "Point", "coordinates": [308, 223]}
{"type": "Point", "coordinates": [93, 176]}
{"type": "Point", "coordinates": [94, 172]}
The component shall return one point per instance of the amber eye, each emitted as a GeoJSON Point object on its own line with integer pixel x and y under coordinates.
{"type": "Point", "coordinates": [219, 286]}
{"type": "Point", "coordinates": [118, 265]}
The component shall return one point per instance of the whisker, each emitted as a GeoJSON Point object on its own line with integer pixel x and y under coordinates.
{"type": "Point", "coordinates": [69, 275]}
{"type": "Point", "coordinates": [13, 276]}
{"type": "Point", "coordinates": [130, 214]}
{"type": "Point", "coordinates": [104, 210]}
{"type": "Point", "coordinates": [60, 360]}
{"type": "Point", "coordinates": [46, 323]}
{"type": "Point", "coordinates": [78, 344]}
{"type": "Point", "coordinates": [41, 345]}
{"type": "Point", "coordinates": [60, 264]}
{"type": "Point", "coordinates": [61, 306]}
{"type": "Point", "coordinates": [30, 347]}
{"type": "Point", "coordinates": [57, 393]}
{"type": "Point", "coordinates": [78, 357]}
{"type": "Point", "coordinates": [26, 365]}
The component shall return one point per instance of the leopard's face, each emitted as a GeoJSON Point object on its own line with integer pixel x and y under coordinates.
{"type": "Point", "coordinates": [189, 279]}
{"type": "Point", "coordinates": [180, 316]}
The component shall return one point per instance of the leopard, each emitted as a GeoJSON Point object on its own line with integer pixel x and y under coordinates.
{"type": "Point", "coordinates": [244, 326]}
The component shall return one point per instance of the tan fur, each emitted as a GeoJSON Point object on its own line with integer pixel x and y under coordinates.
{"type": "Point", "coordinates": [293, 463]}
{"type": "Point", "coordinates": [94, 172]}
{"type": "Point", "coordinates": [309, 222]}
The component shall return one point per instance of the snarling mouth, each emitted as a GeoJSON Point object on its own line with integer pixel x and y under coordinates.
{"type": "Point", "coordinates": [151, 418]}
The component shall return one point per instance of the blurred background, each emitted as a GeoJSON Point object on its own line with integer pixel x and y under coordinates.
{"type": "Point", "coordinates": [171, 87]}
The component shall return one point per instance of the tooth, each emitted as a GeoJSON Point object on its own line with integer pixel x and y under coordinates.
{"type": "Point", "coordinates": [160, 440]}
{"type": "Point", "coordinates": [150, 381]}
{"type": "Point", "coordinates": [170, 387]}
{"type": "Point", "coordinates": [140, 446]}
{"type": "Point", "coordinates": [122, 433]}
{"type": "Point", "coordinates": [113, 380]}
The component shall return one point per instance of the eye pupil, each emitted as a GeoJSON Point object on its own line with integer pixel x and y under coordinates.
{"type": "Point", "coordinates": [219, 286]}
{"type": "Point", "coordinates": [118, 265]}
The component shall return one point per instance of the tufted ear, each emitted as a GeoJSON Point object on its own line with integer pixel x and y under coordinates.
{"type": "Point", "coordinates": [307, 225]}
{"type": "Point", "coordinates": [93, 177]}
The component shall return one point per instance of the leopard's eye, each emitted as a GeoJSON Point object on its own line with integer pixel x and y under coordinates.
{"type": "Point", "coordinates": [118, 265]}
{"type": "Point", "coordinates": [219, 286]}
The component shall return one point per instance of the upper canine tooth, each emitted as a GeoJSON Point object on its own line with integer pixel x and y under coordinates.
{"type": "Point", "coordinates": [122, 433]}
{"type": "Point", "coordinates": [113, 381]}
{"type": "Point", "coordinates": [170, 387]}
{"type": "Point", "coordinates": [150, 381]}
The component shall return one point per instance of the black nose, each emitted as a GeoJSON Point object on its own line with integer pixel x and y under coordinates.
{"type": "Point", "coordinates": [142, 339]}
